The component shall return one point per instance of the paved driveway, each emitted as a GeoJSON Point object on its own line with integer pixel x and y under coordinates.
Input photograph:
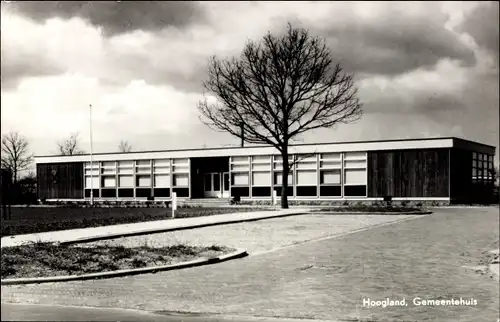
{"type": "Point", "coordinates": [325, 279]}
{"type": "Point", "coordinates": [262, 236]}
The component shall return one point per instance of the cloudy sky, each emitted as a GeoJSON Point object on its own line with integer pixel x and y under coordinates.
{"type": "Point", "coordinates": [423, 69]}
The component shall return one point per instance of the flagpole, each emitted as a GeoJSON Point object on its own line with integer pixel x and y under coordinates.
{"type": "Point", "coordinates": [91, 161]}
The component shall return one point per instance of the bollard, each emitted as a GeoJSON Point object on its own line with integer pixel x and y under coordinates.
{"type": "Point", "coordinates": [174, 203]}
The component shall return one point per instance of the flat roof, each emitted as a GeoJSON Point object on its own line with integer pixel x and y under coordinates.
{"type": "Point", "coordinates": [345, 146]}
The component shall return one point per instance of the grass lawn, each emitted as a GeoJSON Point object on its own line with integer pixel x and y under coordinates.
{"type": "Point", "coordinates": [41, 219]}
{"type": "Point", "coordinates": [44, 259]}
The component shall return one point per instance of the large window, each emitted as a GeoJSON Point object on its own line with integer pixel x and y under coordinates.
{"type": "Point", "coordinates": [278, 175]}
{"type": "Point", "coordinates": [240, 176]}
{"type": "Point", "coordinates": [482, 168]}
{"type": "Point", "coordinates": [307, 178]}
{"type": "Point", "coordinates": [239, 179]}
{"type": "Point", "coordinates": [261, 176]}
{"type": "Point", "coordinates": [307, 175]}
{"type": "Point", "coordinates": [181, 180]}
{"type": "Point", "coordinates": [355, 174]}
{"type": "Point", "coordinates": [108, 171]}
{"type": "Point", "coordinates": [161, 173]}
{"type": "Point", "coordinates": [330, 177]}
{"type": "Point", "coordinates": [92, 176]}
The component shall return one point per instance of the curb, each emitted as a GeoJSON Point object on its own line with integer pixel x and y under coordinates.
{"type": "Point", "coordinates": [239, 253]}
{"type": "Point", "coordinates": [373, 213]}
{"type": "Point", "coordinates": [161, 230]}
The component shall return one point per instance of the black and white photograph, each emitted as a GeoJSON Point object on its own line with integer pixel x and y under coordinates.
{"type": "Point", "coordinates": [281, 161]}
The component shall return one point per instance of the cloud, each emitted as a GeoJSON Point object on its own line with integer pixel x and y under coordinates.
{"type": "Point", "coordinates": [422, 90]}
{"type": "Point", "coordinates": [389, 38]}
{"type": "Point", "coordinates": [115, 17]}
{"type": "Point", "coordinates": [58, 105]}
{"type": "Point", "coordinates": [482, 24]}
{"type": "Point", "coordinates": [384, 40]}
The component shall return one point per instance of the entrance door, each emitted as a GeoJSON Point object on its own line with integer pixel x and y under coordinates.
{"type": "Point", "coordinates": [212, 185]}
{"type": "Point", "coordinates": [216, 185]}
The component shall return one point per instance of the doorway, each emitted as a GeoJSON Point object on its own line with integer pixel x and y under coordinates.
{"type": "Point", "coordinates": [216, 185]}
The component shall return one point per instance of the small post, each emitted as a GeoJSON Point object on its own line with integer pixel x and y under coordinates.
{"type": "Point", "coordinates": [275, 198]}
{"type": "Point", "coordinates": [174, 203]}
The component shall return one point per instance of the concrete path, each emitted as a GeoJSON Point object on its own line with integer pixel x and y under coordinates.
{"type": "Point", "coordinates": [72, 235]}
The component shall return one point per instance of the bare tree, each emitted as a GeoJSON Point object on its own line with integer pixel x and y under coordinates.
{"type": "Point", "coordinates": [70, 145]}
{"type": "Point", "coordinates": [278, 89]}
{"type": "Point", "coordinates": [124, 146]}
{"type": "Point", "coordinates": [15, 154]}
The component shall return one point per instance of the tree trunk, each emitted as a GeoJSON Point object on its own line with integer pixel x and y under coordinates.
{"type": "Point", "coordinates": [284, 185]}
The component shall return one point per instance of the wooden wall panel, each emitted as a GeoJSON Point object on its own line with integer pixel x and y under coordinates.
{"type": "Point", "coordinates": [60, 180]}
{"type": "Point", "coordinates": [408, 173]}
{"type": "Point", "coordinates": [463, 190]}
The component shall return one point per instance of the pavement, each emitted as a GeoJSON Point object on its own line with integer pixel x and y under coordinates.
{"type": "Point", "coordinates": [28, 312]}
{"type": "Point", "coordinates": [95, 233]}
{"type": "Point", "coordinates": [325, 279]}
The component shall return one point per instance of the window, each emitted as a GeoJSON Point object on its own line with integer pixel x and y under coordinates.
{"type": "Point", "coordinates": [125, 193]}
{"type": "Point", "coordinates": [355, 156]}
{"type": "Point", "coordinates": [278, 178]}
{"type": "Point", "coordinates": [261, 166]}
{"type": "Point", "coordinates": [181, 180]}
{"type": "Point", "coordinates": [306, 165]}
{"type": "Point", "coordinates": [162, 180]}
{"type": "Point", "coordinates": [125, 170]}
{"type": "Point", "coordinates": [108, 182]}
{"type": "Point", "coordinates": [330, 164]}
{"type": "Point", "coordinates": [355, 177]}
{"type": "Point", "coordinates": [239, 159]}
{"type": "Point", "coordinates": [306, 178]}
{"type": "Point", "coordinates": [261, 159]}
{"type": "Point", "coordinates": [94, 183]}
{"type": "Point", "coordinates": [330, 156]}
{"type": "Point", "coordinates": [184, 161]}
{"type": "Point", "coordinates": [261, 179]}
{"type": "Point", "coordinates": [278, 164]}
{"type": "Point", "coordinates": [239, 167]}
{"type": "Point", "coordinates": [125, 164]}
{"type": "Point", "coordinates": [355, 174]}
{"type": "Point", "coordinates": [355, 164]}
{"type": "Point", "coordinates": [216, 182]}
{"type": "Point", "coordinates": [162, 163]}
{"type": "Point", "coordinates": [126, 181]}
{"type": "Point", "coordinates": [108, 171]}
{"type": "Point", "coordinates": [94, 173]}
{"type": "Point", "coordinates": [240, 179]}
{"type": "Point", "coordinates": [330, 177]}
{"type": "Point", "coordinates": [143, 181]}
{"type": "Point", "coordinates": [208, 182]}
{"type": "Point", "coordinates": [482, 166]}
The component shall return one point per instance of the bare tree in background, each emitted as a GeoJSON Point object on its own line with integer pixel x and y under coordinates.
{"type": "Point", "coordinates": [15, 154]}
{"type": "Point", "coordinates": [278, 89]}
{"type": "Point", "coordinates": [124, 146]}
{"type": "Point", "coordinates": [69, 146]}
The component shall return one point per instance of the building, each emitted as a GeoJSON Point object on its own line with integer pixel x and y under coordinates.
{"type": "Point", "coordinates": [441, 169]}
